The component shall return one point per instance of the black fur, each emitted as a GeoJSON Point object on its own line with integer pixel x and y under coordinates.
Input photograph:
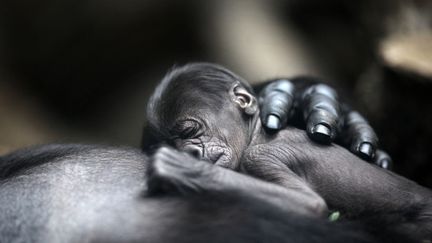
{"type": "Point", "coordinates": [82, 193]}
{"type": "Point", "coordinates": [97, 194]}
{"type": "Point", "coordinates": [291, 160]}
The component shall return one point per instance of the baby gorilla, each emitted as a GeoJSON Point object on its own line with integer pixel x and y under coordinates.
{"type": "Point", "coordinates": [207, 111]}
{"type": "Point", "coordinates": [212, 113]}
{"type": "Point", "coordinates": [214, 116]}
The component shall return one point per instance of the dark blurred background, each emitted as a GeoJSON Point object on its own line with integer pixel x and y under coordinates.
{"type": "Point", "coordinates": [81, 71]}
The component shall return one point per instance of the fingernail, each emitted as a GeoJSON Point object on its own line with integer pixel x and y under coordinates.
{"type": "Point", "coordinates": [385, 164]}
{"type": "Point", "coordinates": [322, 133]}
{"type": "Point", "coordinates": [366, 150]}
{"type": "Point", "coordinates": [273, 122]}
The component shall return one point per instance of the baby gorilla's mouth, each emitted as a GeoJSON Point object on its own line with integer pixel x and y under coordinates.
{"type": "Point", "coordinates": [218, 155]}
{"type": "Point", "coordinates": [212, 150]}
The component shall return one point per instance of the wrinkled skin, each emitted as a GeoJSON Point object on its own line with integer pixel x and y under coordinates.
{"type": "Point", "coordinates": [362, 189]}
{"type": "Point", "coordinates": [81, 193]}
{"type": "Point", "coordinates": [309, 104]}
{"type": "Point", "coordinates": [219, 144]}
{"type": "Point", "coordinates": [76, 193]}
{"type": "Point", "coordinates": [220, 135]}
{"type": "Point", "coordinates": [290, 159]}
{"type": "Point", "coordinates": [189, 176]}
{"type": "Point", "coordinates": [303, 102]}
{"type": "Point", "coordinates": [212, 129]}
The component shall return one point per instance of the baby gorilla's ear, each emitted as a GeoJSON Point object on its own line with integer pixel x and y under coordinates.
{"type": "Point", "coordinates": [244, 99]}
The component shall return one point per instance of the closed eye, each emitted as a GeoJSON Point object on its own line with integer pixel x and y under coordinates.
{"type": "Point", "coordinates": [187, 129]}
{"type": "Point", "coordinates": [189, 132]}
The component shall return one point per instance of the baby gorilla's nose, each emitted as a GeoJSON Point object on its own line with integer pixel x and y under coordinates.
{"type": "Point", "coordinates": [193, 150]}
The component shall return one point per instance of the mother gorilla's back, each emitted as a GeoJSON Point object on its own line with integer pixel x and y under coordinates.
{"type": "Point", "coordinates": [76, 193]}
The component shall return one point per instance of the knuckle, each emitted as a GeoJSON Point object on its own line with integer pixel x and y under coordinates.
{"type": "Point", "coordinates": [158, 168]}
{"type": "Point", "coordinates": [159, 155]}
{"type": "Point", "coordinates": [319, 207]}
{"type": "Point", "coordinates": [355, 117]}
{"type": "Point", "coordinates": [321, 89]}
{"type": "Point", "coordinates": [326, 90]}
{"type": "Point", "coordinates": [285, 86]}
{"type": "Point", "coordinates": [162, 150]}
{"type": "Point", "coordinates": [281, 85]}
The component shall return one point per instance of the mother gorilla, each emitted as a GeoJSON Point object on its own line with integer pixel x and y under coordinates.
{"type": "Point", "coordinates": [78, 193]}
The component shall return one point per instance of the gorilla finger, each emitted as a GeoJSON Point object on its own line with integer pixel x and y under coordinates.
{"type": "Point", "coordinates": [276, 102]}
{"type": "Point", "coordinates": [322, 113]}
{"type": "Point", "coordinates": [383, 160]}
{"type": "Point", "coordinates": [360, 135]}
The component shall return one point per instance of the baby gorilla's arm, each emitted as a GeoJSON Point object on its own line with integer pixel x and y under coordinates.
{"type": "Point", "coordinates": [277, 172]}
{"type": "Point", "coordinates": [343, 180]}
{"type": "Point", "coordinates": [172, 171]}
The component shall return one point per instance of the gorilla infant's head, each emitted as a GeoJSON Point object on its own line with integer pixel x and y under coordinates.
{"type": "Point", "coordinates": [206, 110]}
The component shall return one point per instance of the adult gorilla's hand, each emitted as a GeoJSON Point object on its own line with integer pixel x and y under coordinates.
{"type": "Point", "coordinates": [315, 106]}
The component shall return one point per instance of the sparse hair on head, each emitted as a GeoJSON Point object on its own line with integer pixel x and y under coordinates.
{"type": "Point", "coordinates": [200, 82]}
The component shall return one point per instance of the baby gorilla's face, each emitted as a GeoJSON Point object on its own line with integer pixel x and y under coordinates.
{"type": "Point", "coordinates": [218, 137]}
{"type": "Point", "coordinates": [206, 110]}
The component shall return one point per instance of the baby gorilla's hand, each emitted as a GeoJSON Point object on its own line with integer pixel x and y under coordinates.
{"type": "Point", "coordinates": [172, 171]}
{"type": "Point", "coordinates": [311, 105]}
